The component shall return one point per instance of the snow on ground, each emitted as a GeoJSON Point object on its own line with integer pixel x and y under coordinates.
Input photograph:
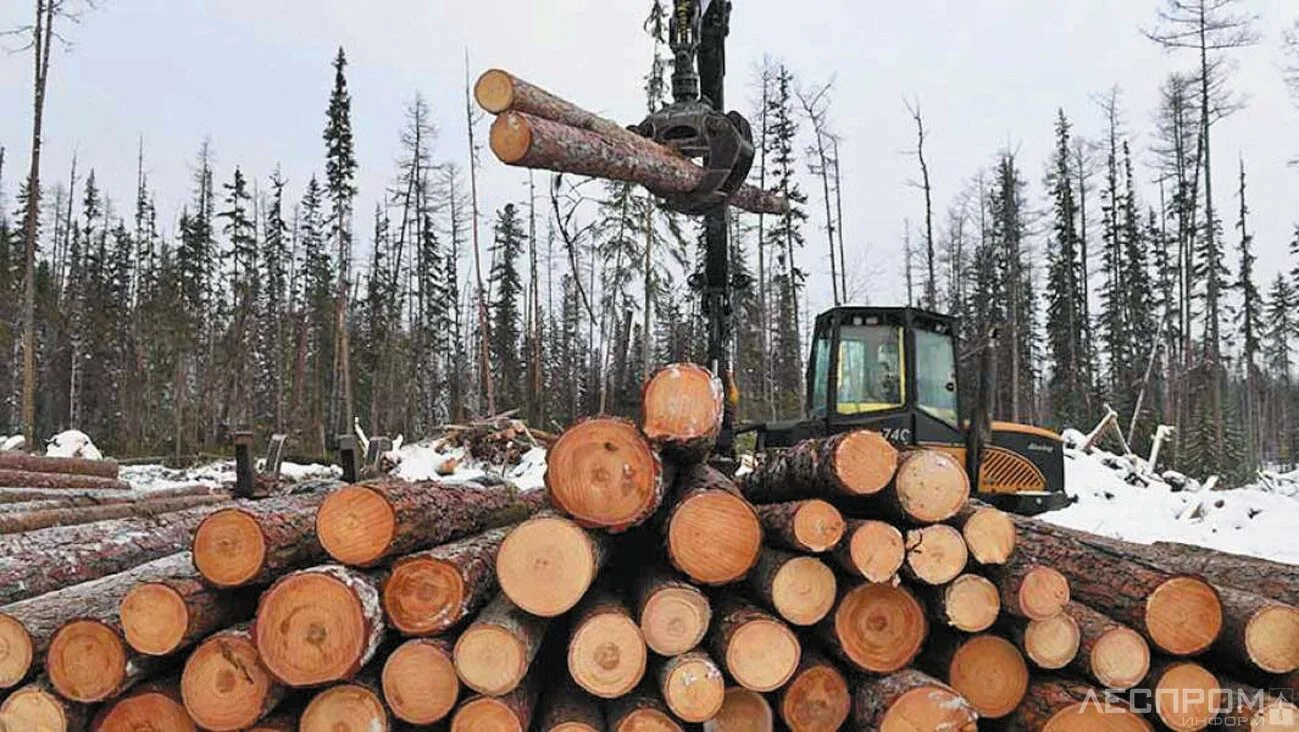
{"type": "Point", "coordinates": [72, 444]}
{"type": "Point", "coordinates": [152, 476]}
{"type": "Point", "coordinates": [435, 460]}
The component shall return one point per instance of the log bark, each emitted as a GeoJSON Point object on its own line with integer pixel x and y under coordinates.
{"type": "Point", "coordinates": [1051, 643]}
{"type": "Point", "coordinates": [224, 685]}
{"type": "Point", "coordinates": [642, 710]}
{"type": "Point", "coordinates": [911, 700]}
{"type": "Point", "coordinates": [604, 474]}
{"type": "Point", "coordinates": [37, 706]}
{"type": "Point", "coordinates": [877, 628]}
{"type": "Point", "coordinates": [494, 653]}
{"type": "Point", "coordinates": [692, 686]}
{"type": "Point", "coordinates": [419, 680]}
{"type": "Point", "coordinates": [606, 652]}
{"type": "Point", "coordinates": [988, 532]}
{"type": "Point", "coordinates": [156, 705]}
{"type": "Point", "coordinates": [969, 603]}
{"type": "Point", "coordinates": [1224, 569]}
{"type": "Point", "coordinates": [1030, 590]}
{"type": "Point", "coordinates": [363, 524]}
{"type": "Point", "coordinates": [255, 542]}
{"type": "Point", "coordinates": [936, 554]}
{"type": "Point", "coordinates": [713, 534]}
{"type": "Point", "coordinates": [812, 525]}
{"type": "Point", "coordinates": [681, 408]}
{"type": "Point", "coordinates": [674, 615]}
{"type": "Point", "coordinates": [817, 698]}
{"type": "Point", "coordinates": [742, 711]}
{"type": "Point", "coordinates": [546, 564]}
{"type": "Point", "coordinates": [319, 625]}
{"type": "Point", "coordinates": [1056, 705]}
{"type": "Point", "coordinates": [162, 614]}
{"type": "Point", "coordinates": [987, 670]}
{"type": "Point", "coordinates": [801, 589]}
{"type": "Point", "coordinates": [1186, 696]}
{"type": "Point", "coordinates": [11, 497]}
{"type": "Point", "coordinates": [1258, 632]}
{"type": "Point", "coordinates": [859, 463]}
{"type": "Point", "coordinates": [759, 651]}
{"type": "Point", "coordinates": [60, 481]}
{"type": "Point", "coordinates": [498, 91]}
{"type": "Point", "coordinates": [528, 141]}
{"type": "Point", "coordinates": [569, 709]}
{"type": "Point", "coordinates": [14, 523]}
{"type": "Point", "coordinates": [1110, 653]}
{"type": "Point", "coordinates": [428, 592]}
{"type": "Point", "coordinates": [14, 460]}
{"type": "Point", "coordinates": [873, 549]}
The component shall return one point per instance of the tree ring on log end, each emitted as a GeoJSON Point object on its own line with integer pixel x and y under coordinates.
{"type": "Point", "coordinates": [1120, 658]}
{"type": "Point", "coordinates": [990, 533]}
{"type": "Point", "coordinates": [1090, 716]}
{"type": "Point", "coordinates": [419, 682]}
{"type": "Point", "coordinates": [990, 673]}
{"type": "Point", "coordinates": [880, 627]}
{"type": "Point", "coordinates": [494, 91]}
{"type": "Point", "coordinates": [423, 596]}
{"type": "Point", "coordinates": [818, 526]}
{"type": "Point", "coordinates": [356, 525]}
{"type": "Point", "coordinates": [154, 618]}
{"type": "Point", "coordinates": [714, 537]}
{"type": "Point", "coordinates": [763, 654]}
{"type": "Point", "coordinates": [936, 554]}
{"type": "Point", "coordinates": [864, 462]}
{"type": "Point", "coordinates": [510, 137]}
{"type": "Point", "coordinates": [311, 629]}
{"type": "Point", "coordinates": [344, 708]}
{"type": "Point", "coordinates": [485, 714]}
{"type": "Point", "coordinates": [742, 711]}
{"type": "Point", "coordinates": [877, 550]}
{"type": "Point", "coordinates": [929, 707]}
{"type": "Point", "coordinates": [602, 472]}
{"type": "Point", "coordinates": [32, 708]}
{"type": "Point", "coordinates": [683, 403]}
{"type": "Point", "coordinates": [675, 620]}
{"type": "Point", "coordinates": [86, 661]}
{"type": "Point", "coordinates": [972, 603]}
{"type": "Point", "coordinates": [694, 690]}
{"type": "Point", "coordinates": [817, 700]}
{"type": "Point", "coordinates": [490, 660]}
{"type": "Point", "coordinates": [804, 590]}
{"type": "Point", "coordinates": [1052, 642]}
{"type": "Point", "coordinates": [931, 486]}
{"type": "Point", "coordinates": [1187, 697]}
{"type": "Point", "coordinates": [545, 565]}
{"type": "Point", "coordinates": [229, 548]}
{"type": "Point", "coordinates": [1272, 639]}
{"type": "Point", "coordinates": [606, 655]}
{"type": "Point", "coordinates": [224, 685]}
{"type": "Point", "coordinates": [1043, 593]}
{"type": "Point", "coordinates": [1183, 616]}
{"type": "Point", "coordinates": [16, 652]}
{"type": "Point", "coordinates": [145, 711]}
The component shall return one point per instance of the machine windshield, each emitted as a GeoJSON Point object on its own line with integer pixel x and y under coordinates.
{"type": "Point", "coordinates": [936, 375]}
{"type": "Point", "coordinates": [870, 368]}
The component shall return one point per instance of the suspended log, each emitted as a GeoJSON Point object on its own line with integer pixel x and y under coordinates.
{"type": "Point", "coordinates": [936, 554]}
{"type": "Point", "coordinates": [760, 652]}
{"type": "Point", "coordinates": [1051, 643]}
{"type": "Point", "coordinates": [566, 708]}
{"type": "Point", "coordinates": [988, 531]}
{"type": "Point", "coordinates": [1056, 705]}
{"type": "Point", "coordinates": [494, 653]}
{"type": "Point", "coordinates": [430, 591]}
{"type": "Point", "coordinates": [877, 628]}
{"type": "Point", "coordinates": [742, 711]}
{"type": "Point", "coordinates": [361, 525]}
{"type": "Point", "coordinates": [910, 700]}
{"type": "Point", "coordinates": [511, 712]}
{"type": "Point", "coordinates": [31, 521]}
{"type": "Point", "coordinates": [14, 460]}
{"type": "Point", "coordinates": [224, 685]}
{"type": "Point", "coordinates": [673, 614]}
{"type": "Point", "coordinates": [640, 711]}
{"type": "Point", "coordinates": [498, 91]}
{"type": "Point", "coordinates": [987, 670]}
{"type": "Point", "coordinates": [318, 625]}
{"type": "Point", "coordinates": [37, 706]}
{"type": "Point", "coordinates": [681, 407]}
{"type": "Point", "coordinates": [350, 706]}
{"type": "Point", "coordinates": [713, 535]}
{"type": "Point", "coordinates": [1186, 696]}
{"type": "Point", "coordinates": [1112, 654]}
{"type": "Point", "coordinates": [149, 707]}
{"type": "Point", "coordinates": [419, 681]}
{"type": "Point", "coordinates": [969, 603]}
{"type": "Point", "coordinates": [255, 542]}
{"type": "Point", "coordinates": [1030, 590]}
{"type": "Point", "coordinates": [60, 481]}
{"type": "Point", "coordinates": [606, 652]}
{"type": "Point", "coordinates": [803, 526]}
{"type": "Point", "coordinates": [801, 589]}
{"type": "Point", "coordinates": [1258, 632]}
{"type": "Point", "coordinates": [874, 550]}
{"type": "Point", "coordinates": [164, 613]}
{"type": "Point", "coordinates": [692, 686]}
{"type": "Point", "coordinates": [817, 698]}
{"type": "Point", "coordinates": [546, 564]}
{"type": "Point", "coordinates": [859, 463]}
{"type": "Point", "coordinates": [604, 473]}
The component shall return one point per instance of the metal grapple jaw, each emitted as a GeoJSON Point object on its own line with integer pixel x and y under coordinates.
{"type": "Point", "coordinates": [721, 143]}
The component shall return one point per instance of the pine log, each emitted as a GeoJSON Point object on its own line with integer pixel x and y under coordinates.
{"type": "Point", "coordinates": [356, 705]}
{"type": "Point", "coordinates": [988, 670]}
{"type": "Point", "coordinates": [1056, 705]}
{"type": "Point", "coordinates": [936, 554]}
{"type": "Point", "coordinates": [929, 486]}
{"type": "Point", "coordinates": [801, 589]}
{"type": "Point", "coordinates": [494, 653]}
{"type": "Point", "coordinates": [713, 534]}
{"type": "Point", "coordinates": [605, 474]}
{"type": "Point", "coordinates": [47, 504]}
{"type": "Point", "coordinates": [153, 706]}
{"type": "Point", "coordinates": [224, 685]}
{"type": "Point", "coordinates": [1050, 643]}
{"type": "Point", "coordinates": [430, 591]}
{"type": "Point", "coordinates": [910, 700]}
{"type": "Point", "coordinates": [606, 652]}
{"type": "Point", "coordinates": [988, 531]}
{"type": "Point", "coordinates": [859, 463]}
{"type": "Point", "coordinates": [1180, 614]}
{"type": "Point", "coordinates": [969, 603]}
{"type": "Point", "coordinates": [11, 496]}
{"type": "Point", "coordinates": [681, 408]}
{"type": "Point", "coordinates": [876, 628]}
{"type": "Point", "coordinates": [88, 660]}
{"type": "Point", "coordinates": [1224, 569]}
{"type": "Point", "coordinates": [510, 712]}
{"type": "Point", "coordinates": [527, 141]}
{"type": "Point", "coordinates": [547, 563]}
{"type": "Point", "coordinates": [37, 706]}
{"type": "Point", "coordinates": [759, 651]}
{"type": "Point", "coordinates": [742, 711]}
{"type": "Point", "coordinates": [566, 708]}
{"type": "Point", "coordinates": [319, 625]}
{"type": "Point", "coordinates": [173, 609]}
{"type": "Point", "coordinates": [1256, 710]}
{"type": "Point", "coordinates": [1110, 653]}
{"type": "Point", "coordinates": [873, 549]}
{"type": "Point", "coordinates": [14, 460]}
{"type": "Point", "coordinates": [1030, 590]}
{"type": "Point", "coordinates": [255, 542]}
{"type": "Point", "coordinates": [419, 680]}
{"type": "Point", "coordinates": [817, 698]}
{"type": "Point", "coordinates": [1258, 632]}
{"type": "Point", "coordinates": [31, 521]}
{"type": "Point", "coordinates": [811, 525]}
{"type": "Point", "coordinates": [673, 614]}
{"type": "Point", "coordinates": [1186, 696]}
{"type": "Point", "coordinates": [640, 711]}
{"type": "Point", "coordinates": [692, 686]}
{"type": "Point", "coordinates": [361, 525]}
{"type": "Point", "coordinates": [498, 91]}
{"type": "Point", "coordinates": [60, 481]}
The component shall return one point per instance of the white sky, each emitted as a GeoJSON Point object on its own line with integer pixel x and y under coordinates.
{"type": "Point", "coordinates": [254, 76]}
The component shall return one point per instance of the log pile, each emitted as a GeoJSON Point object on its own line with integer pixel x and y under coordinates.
{"type": "Point", "coordinates": [841, 584]}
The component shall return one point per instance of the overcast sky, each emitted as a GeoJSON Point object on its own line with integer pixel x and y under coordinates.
{"type": "Point", "coordinates": [254, 77]}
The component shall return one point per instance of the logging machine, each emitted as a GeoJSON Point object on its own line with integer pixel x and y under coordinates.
{"type": "Point", "coordinates": [890, 369]}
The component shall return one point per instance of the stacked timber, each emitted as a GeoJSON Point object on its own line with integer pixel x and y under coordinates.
{"type": "Point", "coordinates": [841, 584]}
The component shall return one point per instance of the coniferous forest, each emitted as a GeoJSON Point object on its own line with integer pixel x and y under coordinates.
{"type": "Point", "coordinates": [1113, 273]}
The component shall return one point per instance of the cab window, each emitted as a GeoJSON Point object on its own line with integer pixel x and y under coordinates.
{"type": "Point", "coordinates": [870, 368]}
{"type": "Point", "coordinates": [820, 373]}
{"type": "Point", "coordinates": [936, 375]}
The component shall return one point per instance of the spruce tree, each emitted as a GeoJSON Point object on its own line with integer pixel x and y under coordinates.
{"type": "Point", "coordinates": [1064, 326]}
{"type": "Point", "coordinates": [507, 288]}
{"type": "Point", "coordinates": [340, 174]}
{"type": "Point", "coordinates": [785, 238]}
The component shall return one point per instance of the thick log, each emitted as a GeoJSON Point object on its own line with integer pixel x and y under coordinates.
{"type": "Point", "coordinates": [224, 685]}
{"type": "Point", "coordinates": [859, 463]}
{"type": "Point", "coordinates": [1258, 632]}
{"type": "Point", "coordinates": [929, 486]}
{"type": "Point", "coordinates": [673, 614]}
{"type": "Point", "coordinates": [1112, 654]}
{"type": "Point", "coordinates": [742, 711]}
{"type": "Point", "coordinates": [605, 474]}
{"type": "Point", "coordinates": [14, 523]}
{"type": "Point", "coordinates": [356, 705]}
{"type": "Point", "coordinates": [988, 531]}
{"type": "Point", "coordinates": [37, 706]}
{"type": "Point", "coordinates": [255, 542]}
{"type": "Point", "coordinates": [936, 554]}
{"type": "Point", "coordinates": [811, 525]}
{"type": "Point", "coordinates": [162, 614]}
{"type": "Point", "coordinates": [319, 625]}
{"type": "Point", "coordinates": [987, 670]}
{"type": "Point", "coordinates": [873, 549]}
{"type": "Point", "coordinates": [547, 563]}
{"type": "Point", "coordinates": [606, 652]}
{"type": "Point", "coordinates": [1030, 590]}
{"type": "Point", "coordinates": [877, 628]}
{"type": "Point", "coordinates": [156, 705]}
{"type": "Point", "coordinates": [759, 651]}
{"type": "Point", "coordinates": [361, 525]}
{"type": "Point", "coordinates": [817, 698]}
{"type": "Point", "coordinates": [494, 653]}
{"type": "Point", "coordinates": [642, 710]}
{"type": "Point", "coordinates": [713, 535]}
{"type": "Point", "coordinates": [510, 712]}
{"type": "Point", "coordinates": [60, 481]}
{"type": "Point", "coordinates": [1050, 643]}
{"type": "Point", "coordinates": [14, 460]}
{"type": "Point", "coordinates": [911, 700]}
{"type": "Point", "coordinates": [1056, 705]}
{"type": "Point", "coordinates": [681, 408]}
{"type": "Point", "coordinates": [430, 591]}
{"type": "Point", "coordinates": [1276, 580]}
{"type": "Point", "coordinates": [1186, 696]}
{"type": "Point", "coordinates": [801, 589]}
{"type": "Point", "coordinates": [419, 680]}
{"type": "Point", "coordinates": [566, 708]}
{"type": "Point", "coordinates": [498, 91]}
{"type": "Point", "coordinates": [969, 603]}
{"type": "Point", "coordinates": [89, 661]}
{"type": "Point", "coordinates": [692, 686]}
{"type": "Point", "coordinates": [528, 141]}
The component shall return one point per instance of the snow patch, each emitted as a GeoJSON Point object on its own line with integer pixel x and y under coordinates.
{"type": "Point", "coordinates": [13, 442]}
{"type": "Point", "coordinates": [72, 444]}
{"type": "Point", "coordinates": [436, 460]}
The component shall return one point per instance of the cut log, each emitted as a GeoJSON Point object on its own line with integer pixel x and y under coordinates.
{"type": "Point", "coordinates": [1259, 632]}
{"type": "Point", "coordinates": [936, 554]}
{"type": "Point", "coordinates": [1056, 705]}
{"type": "Point", "coordinates": [566, 708]}
{"type": "Point", "coordinates": [877, 628]}
{"type": "Point", "coordinates": [528, 141]}
{"type": "Point", "coordinates": [1186, 696]}
{"type": "Point", "coordinates": [13, 460]}
{"type": "Point", "coordinates": [60, 481]}
{"type": "Point", "coordinates": [674, 615]}
{"type": "Point", "coordinates": [224, 685]}
{"type": "Point", "coordinates": [759, 651]}
{"type": "Point", "coordinates": [929, 486]}
{"type": "Point", "coordinates": [11, 496]}
{"type": "Point", "coordinates": [1112, 654]}
{"type": "Point", "coordinates": [859, 463]}
{"type": "Point", "coordinates": [801, 589]}
{"type": "Point", "coordinates": [498, 91]}
{"type": "Point", "coordinates": [640, 711]}
{"type": "Point", "coordinates": [969, 603]}
{"type": "Point", "coordinates": [345, 708]}
{"type": "Point", "coordinates": [419, 681]}
{"type": "Point", "coordinates": [1256, 710]}
{"type": "Point", "coordinates": [547, 563]}
{"type": "Point", "coordinates": [873, 549]}
{"type": "Point", "coordinates": [163, 614]}
{"type": "Point", "coordinates": [253, 543]}
{"type": "Point", "coordinates": [31, 521]}
{"type": "Point", "coordinates": [817, 698]}
{"type": "Point", "coordinates": [803, 526]}
{"type": "Point", "coordinates": [88, 660]}
{"type": "Point", "coordinates": [1224, 569]}
{"type": "Point", "coordinates": [318, 625]}
{"type": "Point", "coordinates": [713, 535]}
{"type": "Point", "coordinates": [986, 669]}
{"type": "Point", "coordinates": [742, 711]}
{"type": "Point", "coordinates": [361, 525]}
{"type": "Point", "coordinates": [494, 653]}
{"type": "Point", "coordinates": [692, 686]}
{"type": "Point", "coordinates": [681, 407]}
{"type": "Point", "coordinates": [606, 652]}
{"type": "Point", "coordinates": [604, 473]}
{"type": "Point", "coordinates": [37, 706]}
{"type": "Point", "coordinates": [1051, 643]}
{"type": "Point", "coordinates": [988, 531]}
{"type": "Point", "coordinates": [430, 591]}
{"type": "Point", "coordinates": [152, 706]}
{"type": "Point", "coordinates": [910, 700]}
{"type": "Point", "coordinates": [510, 712]}
{"type": "Point", "coordinates": [1030, 590]}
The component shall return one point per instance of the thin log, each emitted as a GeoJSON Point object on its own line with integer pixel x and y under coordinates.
{"type": "Point", "coordinates": [873, 549]}
{"type": "Point", "coordinates": [877, 628]}
{"type": "Point", "coordinates": [817, 698]}
{"type": "Point", "coordinates": [430, 591]}
{"type": "Point", "coordinates": [759, 651]}
{"type": "Point", "coordinates": [14, 460]}
{"type": "Point", "coordinates": [156, 705]}
{"type": "Point", "coordinates": [14, 523]}
{"type": "Point", "coordinates": [11, 497]}
{"type": "Point", "coordinates": [494, 653]}
{"type": "Point", "coordinates": [1051, 643]}
{"type": "Point", "coordinates": [37, 706]}
{"type": "Point", "coordinates": [674, 615]}
{"type": "Point", "coordinates": [801, 589]}
{"type": "Point", "coordinates": [605, 474]}
{"type": "Point", "coordinates": [498, 91]}
{"type": "Point", "coordinates": [713, 534]}
{"type": "Point", "coordinates": [60, 481]}
{"type": "Point", "coordinates": [419, 680]}
{"type": "Point", "coordinates": [606, 652]}
{"type": "Point", "coordinates": [224, 685]}
{"type": "Point", "coordinates": [547, 563]}
{"type": "Point", "coordinates": [742, 711]}
{"type": "Point", "coordinates": [969, 603]}
{"type": "Point", "coordinates": [1030, 590]}
{"type": "Point", "coordinates": [811, 525]}
{"type": "Point", "coordinates": [1258, 632]}
{"type": "Point", "coordinates": [1112, 654]}
{"type": "Point", "coordinates": [909, 700]}
{"type": "Point", "coordinates": [1057, 705]}
{"type": "Point", "coordinates": [936, 554]}
{"type": "Point", "coordinates": [681, 407]}
{"type": "Point", "coordinates": [988, 531]}
{"type": "Point", "coordinates": [692, 686]}
{"type": "Point", "coordinates": [859, 463]}
{"type": "Point", "coordinates": [929, 486]}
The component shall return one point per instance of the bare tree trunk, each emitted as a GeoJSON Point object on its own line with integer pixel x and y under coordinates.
{"type": "Point", "coordinates": [931, 287]}
{"type": "Point", "coordinates": [484, 331]}
{"type": "Point", "coordinates": [838, 217]}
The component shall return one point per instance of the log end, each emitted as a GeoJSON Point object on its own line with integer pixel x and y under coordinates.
{"type": "Point", "coordinates": [486, 714]}
{"type": "Point", "coordinates": [645, 719]}
{"type": "Point", "coordinates": [1187, 697]}
{"type": "Point", "coordinates": [603, 472]}
{"type": "Point", "coordinates": [224, 685]}
{"type": "Point", "coordinates": [931, 486]}
{"type": "Point", "coordinates": [675, 619]}
{"type": "Point", "coordinates": [694, 689]}
{"type": "Point", "coordinates": [804, 590]}
{"type": "Point", "coordinates": [877, 550]}
{"type": "Point", "coordinates": [682, 406]}
{"type": "Point", "coordinates": [931, 706]}
{"type": "Point", "coordinates": [818, 526]}
{"type": "Point", "coordinates": [86, 661]}
{"type": "Point", "coordinates": [356, 525]}
{"type": "Point", "coordinates": [229, 548]}
{"type": "Point", "coordinates": [1053, 642]}
{"type": "Point", "coordinates": [35, 708]}
{"type": "Point", "coordinates": [154, 618]}
{"type": "Point", "coordinates": [972, 603]}
{"type": "Point", "coordinates": [880, 627]}
{"type": "Point", "coordinates": [742, 711]}
{"type": "Point", "coordinates": [1089, 716]}
{"type": "Point", "coordinates": [423, 596]}
{"type": "Point", "coordinates": [990, 673]}
{"type": "Point", "coordinates": [990, 534]}
{"type": "Point", "coordinates": [1043, 593]}
{"type": "Point", "coordinates": [16, 652]}
{"type": "Point", "coordinates": [311, 629]}
{"type": "Point", "coordinates": [1120, 658]}
{"type": "Point", "coordinates": [936, 554]}
{"type": "Point", "coordinates": [147, 710]}
{"type": "Point", "coordinates": [494, 91]}
{"type": "Point", "coordinates": [816, 700]}
{"type": "Point", "coordinates": [606, 655]}
{"type": "Point", "coordinates": [510, 137]}
{"type": "Point", "coordinates": [714, 537]}
{"type": "Point", "coordinates": [546, 564]}
{"type": "Point", "coordinates": [763, 654]}
{"type": "Point", "coordinates": [1183, 616]}
{"type": "Point", "coordinates": [419, 682]}
{"type": "Point", "coordinates": [344, 707]}
{"type": "Point", "coordinates": [864, 462]}
{"type": "Point", "coordinates": [490, 660]}
{"type": "Point", "coordinates": [1272, 639]}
